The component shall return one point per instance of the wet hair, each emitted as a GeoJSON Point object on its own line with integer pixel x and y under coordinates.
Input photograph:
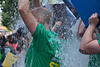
{"type": "Point", "coordinates": [20, 31]}
{"type": "Point", "coordinates": [43, 13]}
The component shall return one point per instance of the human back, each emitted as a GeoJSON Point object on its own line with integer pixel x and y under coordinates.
{"type": "Point", "coordinates": [43, 44]}
{"type": "Point", "coordinates": [42, 50]}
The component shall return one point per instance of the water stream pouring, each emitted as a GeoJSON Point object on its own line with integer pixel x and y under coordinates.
{"type": "Point", "coordinates": [71, 57]}
{"type": "Point", "coordinates": [70, 54]}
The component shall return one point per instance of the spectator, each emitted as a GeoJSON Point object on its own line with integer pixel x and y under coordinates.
{"type": "Point", "coordinates": [2, 39]}
{"type": "Point", "coordinates": [1, 57]}
{"type": "Point", "coordinates": [7, 48]}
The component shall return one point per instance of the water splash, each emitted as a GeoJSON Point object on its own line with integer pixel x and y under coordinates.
{"type": "Point", "coordinates": [71, 57]}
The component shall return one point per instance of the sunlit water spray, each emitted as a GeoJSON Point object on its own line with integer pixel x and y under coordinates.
{"type": "Point", "coordinates": [70, 56]}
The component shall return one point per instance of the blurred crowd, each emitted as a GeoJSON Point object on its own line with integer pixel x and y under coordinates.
{"type": "Point", "coordinates": [13, 43]}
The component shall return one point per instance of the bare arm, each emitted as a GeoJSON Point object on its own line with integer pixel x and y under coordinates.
{"type": "Point", "coordinates": [28, 18]}
{"type": "Point", "coordinates": [57, 24]}
{"type": "Point", "coordinates": [88, 45]}
{"type": "Point", "coordinates": [81, 29]}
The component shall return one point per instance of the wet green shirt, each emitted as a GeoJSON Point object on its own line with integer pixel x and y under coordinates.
{"type": "Point", "coordinates": [43, 49]}
{"type": "Point", "coordinates": [94, 60]}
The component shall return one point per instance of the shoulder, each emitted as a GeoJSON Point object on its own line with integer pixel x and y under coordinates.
{"type": "Point", "coordinates": [39, 30]}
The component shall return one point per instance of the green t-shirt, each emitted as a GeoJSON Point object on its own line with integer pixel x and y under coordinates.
{"type": "Point", "coordinates": [94, 60]}
{"type": "Point", "coordinates": [43, 48]}
{"type": "Point", "coordinates": [0, 55]}
{"type": "Point", "coordinates": [98, 38]}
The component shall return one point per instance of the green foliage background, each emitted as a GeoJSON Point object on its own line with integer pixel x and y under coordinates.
{"type": "Point", "coordinates": [9, 12]}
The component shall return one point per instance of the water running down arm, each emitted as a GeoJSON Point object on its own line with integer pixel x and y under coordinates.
{"type": "Point", "coordinates": [88, 45]}
{"type": "Point", "coordinates": [28, 18]}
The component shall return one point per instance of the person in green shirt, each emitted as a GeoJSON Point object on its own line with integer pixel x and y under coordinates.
{"type": "Point", "coordinates": [44, 50]}
{"type": "Point", "coordinates": [89, 45]}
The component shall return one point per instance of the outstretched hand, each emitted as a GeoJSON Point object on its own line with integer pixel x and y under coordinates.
{"type": "Point", "coordinates": [93, 20]}
{"type": "Point", "coordinates": [58, 23]}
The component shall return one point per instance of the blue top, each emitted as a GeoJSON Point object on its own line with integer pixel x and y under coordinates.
{"type": "Point", "coordinates": [86, 8]}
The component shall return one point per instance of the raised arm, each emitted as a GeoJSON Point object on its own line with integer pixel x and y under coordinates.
{"type": "Point", "coordinates": [57, 24]}
{"type": "Point", "coordinates": [88, 45]}
{"type": "Point", "coordinates": [25, 12]}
